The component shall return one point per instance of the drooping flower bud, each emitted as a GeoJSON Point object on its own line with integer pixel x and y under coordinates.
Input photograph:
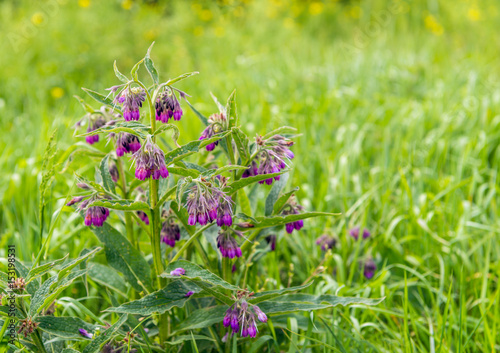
{"type": "Point", "coordinates": [131, 100]}
{"type": "Point", "coordinates": [96, 215]}
{"type": "Point", "coordinates": [84, 333]}
{"type": "Point", "coordinates": [126, 143]}
{"type": "Point", "coordinates": [369, 269]}
{"type": "Point", "coordinates": [95, 121]}
{"type": "Point", "coordinates": [143, 217]}
{"type": "Point", "coordinates": [354, 232]}
{"type": "Point", "coordinates": [150, 162]}
{"type": "Point", "coordinates": [271, 240]}
{"type": "Point", "coordinates": [293, 208]}
{"type": "Point", "coordinates": [113, 171]}
{"type": "Point", "coordinates": [217, 123]}
{"type": "Point", "coordinates": [167, 106]}
{"type": "Point", "coordinates": [274, 153]}
{"type": "Point", "coordinates": [190, 293]}
{"type": "Point", "coordinates": [326, 242]}
{"type": "Point", "coordinates": [170, 233]}
{"type": "Point", "coordinates": [228, 245]}
{"type": "Point", "coordinates": [206, 203]}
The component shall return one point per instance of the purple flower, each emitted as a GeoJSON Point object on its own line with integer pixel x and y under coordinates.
{"type": "Point", "coordinates": [354, 232]}
{"type": "Point", "coordinates": [150, 162]}
{"type": "Point", "coordinates": [167, 106]}
{"type": "Point", "coordinates": [228, 245]}
{"type": "Point", "coordinates": [143, 217]}
{"type": "Point", "coordinates": [272, 156]}
{"type": "Point", "coordinates": [178, 272]}
{"type": "Point", "coordinates": [170, 233]}
{"type": "Point", "coordinates": [326, 242]}
{"type": "Point", "coordinates": [293, 208]}
{"type": "Point", "coordinates": [131, 99]}
{"type": "Point", "coordinates": [84, 333]}
{"type": "Point", "coordinates": [94, 123]}
{"type": "Point", "coordinates": [242, 319]}
{"type": "Point", "coordinates": [190, 293]}
{"type": "Point", "coordinates": [127, 143]}
{"type": "Point", "coordinates": [252, 170]}
{"type": "Point", "coordinates": [96, 216]}
{"type": "Point", "coordinates": [369, 269]}
{"type": "Point", "coordinates": [217, 124]}
{"type": "Point", "coordinates": [206, 203]}
{"type": "Point", "coordinates": [260, 314]}
{"type": "Point", "coordinates": [271, 240]}
{"type": "Point", "coordinates": [74, 200]}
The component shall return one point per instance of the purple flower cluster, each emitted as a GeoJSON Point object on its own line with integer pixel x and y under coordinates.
{"type": "Point", "coordinates": [293, 208]}
{"type": "Point", "coordinates": [131, 100]}
{"type": "Point", "coordinates": [354, 232]}
{"type": "Point", "coordinates": [150, 162]}
{"type": "Point", "coordinates": [94, 215]}
{"type": "Point", "coordinates": [127, 143]}
{"type": "Point", "coordinates": [170, 233]}
{"type": "Point", "coordinates": [242, 319]}
{"type": "Point", "coordinates": [143, 217]}
{"type": "Point", "coordinates": [369, 269]}
{"type": "Point", "coordinates": [217, 124]}
{"type": "Point", "coordinates": [94, 123]}
{"type": "Point", "coordinates": [167, 106]}
{"type": "Point", "coordinates": [207, 203]}
{"type": "Point", "coordinates": [326, 242]}
{"type": "Point", "coordinates": [228, 245]}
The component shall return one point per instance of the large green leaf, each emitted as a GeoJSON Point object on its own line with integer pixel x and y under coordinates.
{"type": "Point", "coordinates": [69, 350]}
{"type": "Point", "coordinates": [250, 180]}
{"type": "Point", "coordinates": [193, 173]}
{"type": "Point", "coordinates": [105, 336]}
{"type": "Point", "coordinates": [274, 194]}
{"type": "Point", "coordinates": [150, 66]}
{"type": "Point", "coordinates": [122, 205]}
{"type": "Point", "coordinates": [212, 172]}
{"type": "Point", "coordinates": [265, 222]}
{"type": "Point", "coordinates": [241, 141]}
{"type": "Point", "coordinates": [66, 326]}
{"type": "Point", "coordinates": [173, 295]}
{"type": "Point", "coordinates": [107, 180]}
{"type": "Point", "coordinates": [43, 269]}
{"type": "Point", "coordinates": [282, 200]}
{"type": "Point", "coordinates": [195, 272]}
{"type": "Point", "coordinates": [327, 299]}
{"type": "Point", "coordinates": [183, 338]}
{"type": "Point", "coordinates": [118, 74]}
{"type": "Point", "coordinates": [132, 127]}
{"type": "Point", "coordinates": [124, 258]}
{"type": "Point", "coordinates": [165, 127]}
{"type": "Point", "coordinates": [280, 130]}
{"type": "Point", "coordinates": [190, 148]}
{"type": "Point", "coordinates": [73, 263]}
{"type": "Point", "coordinates": [204, 317]}
{"type": "Point", "coordinates": [268, 295]}
{"type": "Point", "coordinates": [106, 276]}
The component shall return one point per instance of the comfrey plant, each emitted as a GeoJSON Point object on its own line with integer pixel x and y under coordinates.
{"type": "Point", "coordinates": [176, 232]}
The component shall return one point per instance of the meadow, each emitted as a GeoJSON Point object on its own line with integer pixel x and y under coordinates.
{"type": "Point", "coordinates": [397, 104]}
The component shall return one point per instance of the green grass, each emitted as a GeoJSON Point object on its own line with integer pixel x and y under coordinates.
{"type": "Point", "coordinates": [400, 129]}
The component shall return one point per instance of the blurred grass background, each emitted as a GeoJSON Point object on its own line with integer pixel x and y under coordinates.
{"type": "Point", "coordinates": [398, 103]}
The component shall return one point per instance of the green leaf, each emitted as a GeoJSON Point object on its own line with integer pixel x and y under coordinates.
{"type": "Point", "coordinates": [282, 200]}
{"type": "Point", "coordinates": [250, 180]}
{"type": "Point", "coordinates": [190, 148]}
{"type": "Point", "coordinates": [180, 78]}
{"type": "Point", "coordinates": [173, 295]}
{"type": "Point", "coordinates": [43, 269]}
{"type": "Point", "coordinates": [183, 216]}
{"type": "Point", "coordinates": [119, 75]}
{"type": "Point", "coordinates": [69, 350]}
{"type": "Point", "coordinates": [193, 173]}
{"type": "Point", "coordinates": [50, 289]}
{"type": "Point", "coordinates": [222, 109]}
{"type": "Point", "coordinates": [165, 196]}
{"type": "Point", "coordinates": [150, 66]}
{"type": "Point", "coordinates": [275, 307]}
{"type": "Point", "coordinates": [181, 187]}
{"type": "Point", "coordinates": [241, 141]}
{"type": "Point", "coordinates": [204, 317]}
{"type": "Point", "coordinates": [165, 127]}
{"type": "Point", "coordinates": [203, 119]}
{"type": "Point", "coordinates": [195, 272]}
{"type": "Point", "coordinates": [265, 222]}
{"type": "Point", "coordinates": [274, 194]}
{"type": "Point", "coordinates": [102, 99]}
{"type": "Point", "coordinates": [183, 338]}
{"type": "Point", "coordinates": [133, 72]}
{"type": "Point", "coordinates": [232, 113]}
{"type": "Point", "coordinates": [280, 130]}
{"type": "Point", "coordinates": [268, 295]}
{"type": "Point", "coordinates": [122, 205]}
{"type": "Point", "coordinates": [85, 106]}
{"type": "Point", "coordinates": [73, 263]}
{"type": "Point", "coordinates": [97, 343]}
{"type": "Point", "coordinates": [124, 258]}
{"type": "Point", "coordinates": [66, 327]}
{"type": "Point", "coordinates": [107, 180]}
{"type": "Point", "coordinates": [132, 127]}
{"type": "Point", "coordinates": [327, 299]}
{"type": "Point", "coordinates": [244, 202]}
{"type": "Point", "coordinates": [259, 343]}
{"type": "Point", "coordinates": [106, 276]}
{"type": "Point", "coordinates": [212, 172]}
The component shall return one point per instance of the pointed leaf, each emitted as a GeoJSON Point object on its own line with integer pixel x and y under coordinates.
{"type": "Point", "coordinates": [241, 141]}
{"type": "Point", "coordinates": [119, 75]}
{"type": "Point", "coordinates": [202, 318]}
{"type": "Point", "coordinates": [274, 194]}
{"type": "Point", "coordinates": [200, 116]}
{"type": "Point", "coordinates": [122, 205]}
{"type": "Point", "coordinates": [190, 148]}
{"type": "Point", "coordinates": [231, 111]}
{"type": "Point", "coordinates": [133, 72]}
{"type": "Point", "coordinates": [150, 66]}
{"type": "Point", "coordinates": [132, 127]}
{"type": "Point", "coordinates": [106, 276]}
{"type": "Point", "coordinates": [43, 269]}
{"type": "Point", "coordinates": [250, 180]}
{"type": "Point", "coordinates": [180, 78]}
{"type": "Point", "coordinates": [102, 99]}
{"type": "Point", "coordinates": [327, 299]}
{"type": "Point", "coordinates": [97, 343]}
{"type": "Point", "coordinates": [268, 295]}
{"type": "Point", "coordinates": [165, 127]}
{"type": "Point", "coordinates": [66, 327]}
{"type": "Point", "coordinates": [107, 180]}
{"type": "Point", "coordinates": [280, 130]}
{"type": "Point", "coordinates": [265, 222]}
{"type": "Point", "coordinates": [282, 200]}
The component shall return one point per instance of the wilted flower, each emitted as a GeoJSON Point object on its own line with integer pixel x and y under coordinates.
{"type": "Point", "coordinates": [143, 217]}
{"type": "Point", "coordinates": [170, 233]}
{"type": "Point", "coordinates": [241, 318]}
{"type": "Point", "coordinates": [167, 106]}
{"type": "Point", "coordinates": [131, 100]}
{"type": "Point", "coordinates": [18, 284]}
{"type": "Point", "coordinates": [354, 232]}
{"type": "Point", "coordinates": [206, 203]}
{"type": "Point", "coordinates": [28, 326]}
{"type": "Point", "coordinates": [326, 242]}
{"type": "Point", "coordinates": [228, 245]}
{"type": "Point", "coordinates": [190, 293]}
{"type": "Point", "coordinates": [150, 162]}
{"type": "Point", "coordinates": [178, 272]}
{"type": "Point", "coordinates": [293, 208]}
{"type": "Point", "coordinates": [271, 240]}
{"type": "Point", "coordinates": [369, 268]}
{"type": "Point", "coordinates": [126, 143]}
{"type": "Point", "coordinates": [84, 333]}
{"type": "Point", "coordinates": [217, 124]}
{"type": "Point", "coordinates": [113, 171]}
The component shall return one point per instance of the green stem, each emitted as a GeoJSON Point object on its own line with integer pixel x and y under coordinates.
{"type": "Point", "coordinates": [190, 241]}
{"type": "Point", "coordinates": [250, 240]}
{"type": "Point", "coordinates": [128, 218]}
{"type": "Point", "coordinates": [35, 336]}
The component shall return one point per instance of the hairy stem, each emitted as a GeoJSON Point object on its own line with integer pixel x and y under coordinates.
{"type": "Point", "coordinates": [128, 218]}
